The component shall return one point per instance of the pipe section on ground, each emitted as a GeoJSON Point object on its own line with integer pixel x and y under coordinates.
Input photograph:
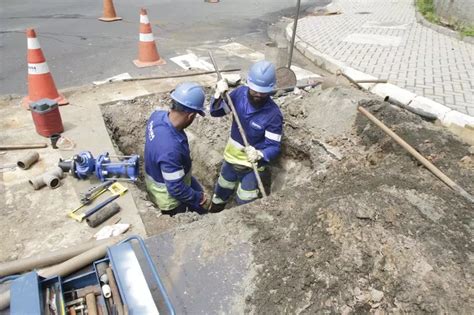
{"type": "Point", "coordinates": [51, 178]}
{"type": "Point", "coordinates": [27, 160]}
{"type": "Point", "coordinates": [45, 259]}
{"type": "Point", "coordinates": [69, 266]}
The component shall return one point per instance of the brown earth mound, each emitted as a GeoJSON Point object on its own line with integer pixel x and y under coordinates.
{"type": "Point", "coordinates": [354, 223]}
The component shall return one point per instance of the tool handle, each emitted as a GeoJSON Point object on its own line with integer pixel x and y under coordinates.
{"type": "Point", "coordinates": [417, 155]}
{"type": "Point", "coordinates": [239, 125]}
{"type": "Point", "coordinates": [90, 212]}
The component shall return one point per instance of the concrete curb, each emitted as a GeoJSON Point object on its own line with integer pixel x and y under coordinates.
{"type": "Point", "coordinates": [389, 92]}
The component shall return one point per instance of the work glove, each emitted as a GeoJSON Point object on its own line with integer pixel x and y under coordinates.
{"type": "Point", "coordinates": [221, 87]}
{"type": "Point", "coordinates": [253, 155]}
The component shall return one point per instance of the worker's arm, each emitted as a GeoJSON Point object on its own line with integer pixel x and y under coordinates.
{"type": "Point", "coordinates": [173, 174]}
{"type": "Point", "coordinates": [273, 134]}
{"type": "Point", "coordinates": [219, 106]}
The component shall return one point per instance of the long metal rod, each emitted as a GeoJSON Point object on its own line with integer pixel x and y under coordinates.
{"type": "Point", "coordinates": [239, 125]}
{"type": "Point", "coordinates": [23, 146]}
{"type": "Point", "coordinates": [180, 75]}
{"type": "Point", "coordinates": [293, 37]}
{"type": "Point", "coordinates": [433, 169]}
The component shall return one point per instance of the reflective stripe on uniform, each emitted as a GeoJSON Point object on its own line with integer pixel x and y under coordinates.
{"type": "Point", "coordinates": [247, 195]}
{"type": "Point", "coordinates": [234, 154]}
{"type": "Point", "coordinates": [146, 37]}
{"type": "Point", "coordinates": [217, 200]}
{"type": "Point", "coordinates": [173, 176]}
{"type": "Point", "coordinates": [224, 183]}
{"type": "Point", "coordinates": [272, 136]}
{"type": "Point", "coordinates": [38, 68]}
{"type": "Point", "coordinates": [159, 194]}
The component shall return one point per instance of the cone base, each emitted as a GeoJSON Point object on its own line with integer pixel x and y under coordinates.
{"type": "Point", "coordinates": [111, 19]}
{"type": "Point", "coordinates": [25, 102]}
{"type": "Point", "coordinates": [143, 64]}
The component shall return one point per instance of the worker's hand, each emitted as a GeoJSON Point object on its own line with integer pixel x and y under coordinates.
{"type": "Point", "coordinates": [221, 87]}
{"type": "Point", "coordinates": [203, 200]}
{"type": "Point", "coordinates": [253, 155]}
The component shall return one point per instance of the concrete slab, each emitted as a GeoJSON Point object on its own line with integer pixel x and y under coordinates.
{"type": "Point", "coordinates": [33, 221]}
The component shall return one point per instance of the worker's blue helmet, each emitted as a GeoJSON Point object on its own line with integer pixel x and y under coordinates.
{"type": "Point", "coordinates": [262, 77]}
{"type": "Point", "coordinates": [190, 95]}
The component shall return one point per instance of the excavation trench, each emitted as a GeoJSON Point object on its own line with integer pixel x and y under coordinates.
{"type": "Point", "coordinates": [353, 224]}
{"type": "Point", "coordinates": [207, 136]}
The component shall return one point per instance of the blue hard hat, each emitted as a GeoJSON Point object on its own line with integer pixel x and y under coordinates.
{"type": "Point", "coordinates": [190, 95]}
{"type": "Point", "coordinates": [262, 77]}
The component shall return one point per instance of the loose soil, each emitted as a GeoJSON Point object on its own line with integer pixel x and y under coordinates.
{"type": "Point", "coordinates": [353, 224]}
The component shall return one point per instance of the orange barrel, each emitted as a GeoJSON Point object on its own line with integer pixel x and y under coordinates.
{"type": "Point", "coordinates": [46, 116]}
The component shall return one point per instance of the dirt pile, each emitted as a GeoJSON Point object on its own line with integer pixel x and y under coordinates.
{"type": "Point", "coordinates": [354, 224]}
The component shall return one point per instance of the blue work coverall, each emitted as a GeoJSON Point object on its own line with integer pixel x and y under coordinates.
{"type": "Point", "coordinates": [263, 127]}
{"type": "Point", "coordinates": [168, 164]}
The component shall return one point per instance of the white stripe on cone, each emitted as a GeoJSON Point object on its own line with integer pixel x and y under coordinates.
{"type": "Point", "coordinates": [144, 19]}
{"type": "Point", "coordinates": [33, 43]}
{"type": "Point", "coordinates": [38, 68]}
{"type": "Point", "coordinates": [146, 37]}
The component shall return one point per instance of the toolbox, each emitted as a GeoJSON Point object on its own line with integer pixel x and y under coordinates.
{"type": "Point", "coordinates": [125, 281]}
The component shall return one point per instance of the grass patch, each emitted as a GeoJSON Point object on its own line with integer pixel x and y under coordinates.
{"type": "Point", "coordinates": [427, 9]}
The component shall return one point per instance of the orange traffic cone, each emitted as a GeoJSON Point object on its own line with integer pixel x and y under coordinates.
{"type": "Point", "coordinates": [109, 14]}
{"type": "Point", "coordinates": [40, 81]}
{"type": "Point", "coordinates": [147, 53]}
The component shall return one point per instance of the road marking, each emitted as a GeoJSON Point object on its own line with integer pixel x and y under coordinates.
{"type": "Point", "coordinates": [191, 61]}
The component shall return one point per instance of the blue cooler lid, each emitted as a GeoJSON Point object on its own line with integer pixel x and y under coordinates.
{"type": "Point", "coordinates": [43, 106]}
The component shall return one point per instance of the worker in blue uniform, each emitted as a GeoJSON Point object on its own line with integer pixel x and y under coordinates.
{"type": "Point", "coordinates": [262, 122]}
{"type": "Point", "coordinates": [168, 164]}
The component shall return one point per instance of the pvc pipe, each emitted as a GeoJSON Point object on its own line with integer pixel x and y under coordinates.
{"type": "Point", "coordinates": [69, 266]}
{"type": "Point", "coordinates": [79, 261]}
{"type": "Point", "coordinates": [46, 259]}
{"type": "Point", "coordinates": [51, 179]}
{"type": "Point", "coordinates": [27, 160]}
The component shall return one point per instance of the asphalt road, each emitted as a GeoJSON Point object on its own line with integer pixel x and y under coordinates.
{"type": "Point", "coordinates": [80, 49]}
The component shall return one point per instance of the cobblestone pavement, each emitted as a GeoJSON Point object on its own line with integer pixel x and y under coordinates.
{"type": "Point", "coordinates": [382, 38]}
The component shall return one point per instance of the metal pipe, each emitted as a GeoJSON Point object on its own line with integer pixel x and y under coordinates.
{"type": "Point", "coordinates": [69, 266]}
{"type": "Point", "coordinates": [293, 37]}
{"type": "Point", "coordinates": [239, 125]}
{"type": "Point", "coordinates": [27, 160]}
{"type": "Point", "coordinates": [182, 75]}
{"type": "Point", "coordinates": [433, 169]}
{"type": "Point", "coordinates": [45, 259]}
{"type": "Point", "coordinates": [51, 178]}
{"type": "Point", "coordinates": [23, 146]}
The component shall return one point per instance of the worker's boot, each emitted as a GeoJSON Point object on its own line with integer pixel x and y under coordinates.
{"type": "Point", "coordinates": [216, 207]}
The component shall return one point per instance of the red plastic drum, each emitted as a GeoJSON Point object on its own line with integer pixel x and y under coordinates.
{"type": "Point", "coordinates": [46, 117]}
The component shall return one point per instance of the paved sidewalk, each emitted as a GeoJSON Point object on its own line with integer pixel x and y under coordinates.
{"type": "Point", "coordinates": [382, 38]}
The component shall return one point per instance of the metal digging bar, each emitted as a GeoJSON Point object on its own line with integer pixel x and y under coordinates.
{"type": "Point", "coordinates": [239, 125]}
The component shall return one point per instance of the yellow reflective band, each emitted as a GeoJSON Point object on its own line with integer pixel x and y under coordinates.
{"type": "Point", "coordinates": [247, 195]}
{"type": "Point", "coordinates": [234, 154]}
{"type": "Point", "coordinates": [224, 183]}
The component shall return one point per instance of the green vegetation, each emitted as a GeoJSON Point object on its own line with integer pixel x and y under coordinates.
{"type": "Point", "coordinates": [427, 9]}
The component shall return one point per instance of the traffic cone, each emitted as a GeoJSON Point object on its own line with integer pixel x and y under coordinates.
{"type": "Point", "coordinates": [40, 81]}
{"type": "Point", "coordinates": [147, 53]}
{"type": "Point", "coordinates": [109, 14]}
